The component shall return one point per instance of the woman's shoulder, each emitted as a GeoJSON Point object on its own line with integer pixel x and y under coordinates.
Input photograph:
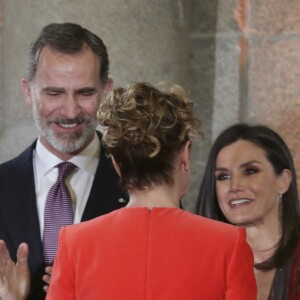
{"type": "Point", "coordinates": [213, 225]}
{"type": "Point", "coordinates": [186, 223]}
{"type": "Point", "coordinates": [116, 221]}
{"type": "Point", "coordinates": [89, 227]}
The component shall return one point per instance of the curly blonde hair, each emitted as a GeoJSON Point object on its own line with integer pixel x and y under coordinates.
{"type": "Point", "coordinates": [145, 127]}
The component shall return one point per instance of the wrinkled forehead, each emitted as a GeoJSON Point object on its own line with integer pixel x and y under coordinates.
{"type": "Point", "coordinates": [76, 70]}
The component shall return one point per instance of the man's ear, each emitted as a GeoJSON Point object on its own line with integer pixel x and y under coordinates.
{"type": "Point", "coordinates": [116, 166]}
{"type": "Point", "coordinates": [186, 155]}
{"type": "Point", "coordinates": [108, 86]}
{"type": "Point", "coordinates": [27, 91]}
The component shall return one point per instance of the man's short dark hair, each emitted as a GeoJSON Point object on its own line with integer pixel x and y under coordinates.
{"type": "Point", "coordinates": [70, 39]}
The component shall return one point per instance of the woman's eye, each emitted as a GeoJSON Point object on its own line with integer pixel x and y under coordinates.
{"type": "Point", "coordinates": [250, 171]}
{"type": "Point", "coordinates": [221, 177]}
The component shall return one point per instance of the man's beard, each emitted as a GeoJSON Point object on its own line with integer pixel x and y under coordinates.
{"type": "Point", "coordinates": [66, 142]}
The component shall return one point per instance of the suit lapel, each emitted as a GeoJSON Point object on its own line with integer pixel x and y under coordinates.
{"type": "Point", "coordinates": [105, 195]}
{"type": "Point", "coordinates": [27, 201]}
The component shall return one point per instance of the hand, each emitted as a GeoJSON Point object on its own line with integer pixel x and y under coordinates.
{"type": "Point", "coordinates": [47, 277]}
{"type": "Point", "coordinates": [14, 277]}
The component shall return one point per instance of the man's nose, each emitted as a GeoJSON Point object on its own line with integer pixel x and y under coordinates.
{"type": "Point", "coordinates": [70, 108]}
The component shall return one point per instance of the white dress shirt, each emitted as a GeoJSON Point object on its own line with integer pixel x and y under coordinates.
{"type": "Point", "coordinates": [79, 183]}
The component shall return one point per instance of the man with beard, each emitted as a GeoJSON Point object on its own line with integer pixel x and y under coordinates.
{"type": "Point", "coordinates": [66, 79]}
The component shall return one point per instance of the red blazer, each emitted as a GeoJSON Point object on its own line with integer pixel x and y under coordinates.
{"type": "Point", "coordinates": [163, 253]}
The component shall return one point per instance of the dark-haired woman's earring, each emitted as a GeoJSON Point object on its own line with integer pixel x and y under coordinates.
{"type": "Point", "coordinates": [280, 215]}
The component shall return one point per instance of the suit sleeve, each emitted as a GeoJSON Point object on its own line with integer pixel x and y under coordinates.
{"type": "Point", "coordinates": [62, 284]}
{"type": "Point", "coordinates": [240, 275]}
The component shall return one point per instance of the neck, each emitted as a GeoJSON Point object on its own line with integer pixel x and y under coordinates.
{"type": "Point", "coordinates": [263, 240]}
{"type": "Point", "coordinates": [158, 196]}
{"type": "Point", "coordinates": [62, 155]}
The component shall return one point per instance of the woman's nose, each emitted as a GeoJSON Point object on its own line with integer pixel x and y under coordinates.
{"type": "Point", "coordinates": [235, 184]}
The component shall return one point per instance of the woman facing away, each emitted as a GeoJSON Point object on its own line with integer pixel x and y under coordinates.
{"type": "Point", "coordinates": [250, 181]}
{"type": "Point", "coordinates": [152, 249]}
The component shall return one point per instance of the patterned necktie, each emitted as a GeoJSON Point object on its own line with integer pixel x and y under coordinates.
{"type": "Point", "coordinates": [58, 211]}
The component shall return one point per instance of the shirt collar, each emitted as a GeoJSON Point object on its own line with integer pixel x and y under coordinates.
{"type": "Point", "coordinates": [86, 160]}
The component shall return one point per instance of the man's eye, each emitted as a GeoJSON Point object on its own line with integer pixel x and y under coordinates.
{"type": "Point", "coordinates": [52, 93]}
{"type": "Point", "coordinates": [86, 94]}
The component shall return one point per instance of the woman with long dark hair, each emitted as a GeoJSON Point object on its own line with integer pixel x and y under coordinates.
{"type": "Point", "coordinates": [250, 181]}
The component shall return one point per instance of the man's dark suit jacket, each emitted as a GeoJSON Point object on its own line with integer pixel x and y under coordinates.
{"type": "Point", "coordinates": [18, 210]}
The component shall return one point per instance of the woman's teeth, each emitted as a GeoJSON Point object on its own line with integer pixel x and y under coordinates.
{"type": "Point", "coordinates": [239, 201]}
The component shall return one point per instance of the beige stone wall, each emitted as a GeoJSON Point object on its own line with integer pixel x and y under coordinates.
{"type": "Point", "coordinates": [258, 67]}
{"type": "Point", "coordinates": [1, 13]}
{"type": "Point", "coordinates": [274, 69]}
